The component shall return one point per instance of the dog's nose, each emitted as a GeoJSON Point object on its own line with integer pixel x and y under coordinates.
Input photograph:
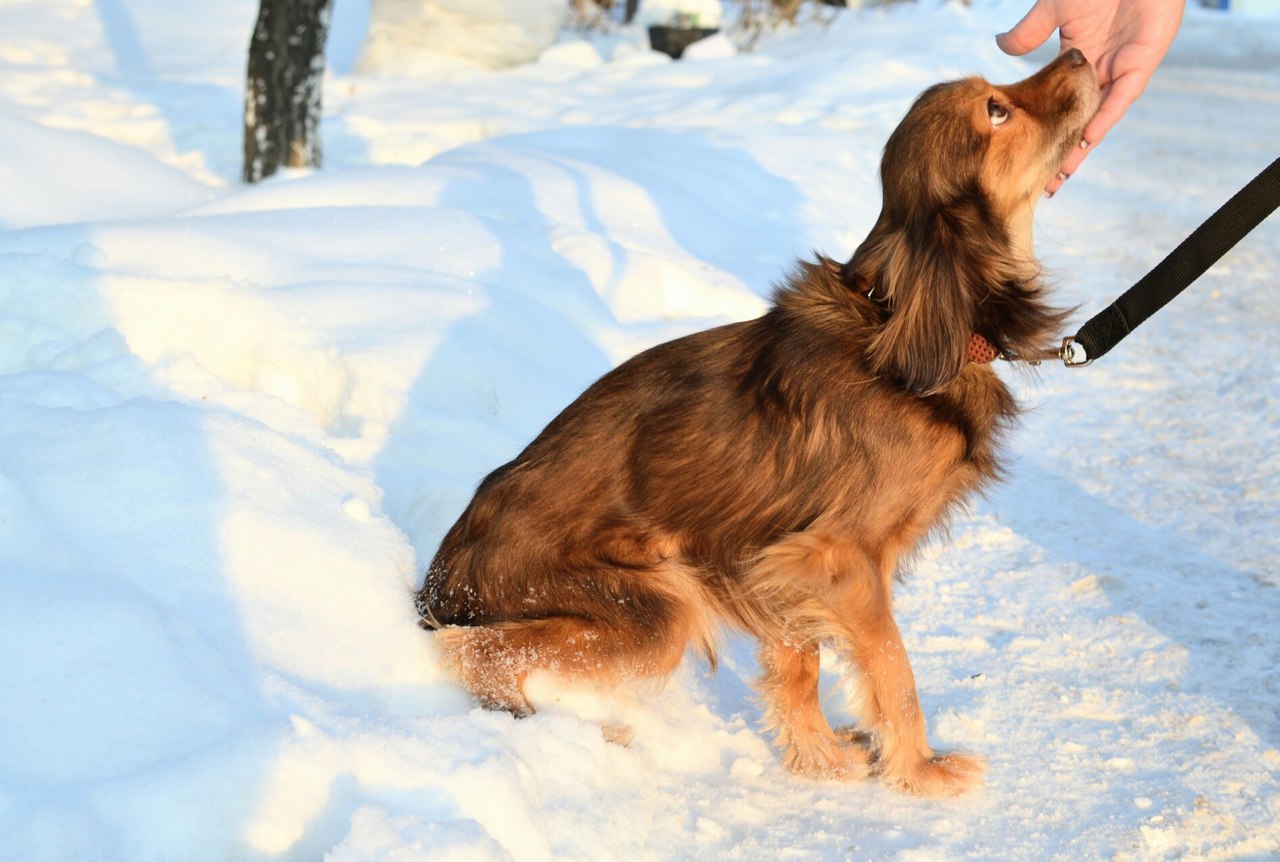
{"type": "Point", "coordinates": [1074, 57]}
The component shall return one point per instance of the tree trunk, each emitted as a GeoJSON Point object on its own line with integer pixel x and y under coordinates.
{"type": "Point", "coordinates": [282, 97]}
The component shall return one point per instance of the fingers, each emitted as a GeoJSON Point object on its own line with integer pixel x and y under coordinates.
{"type": "Point", "coordinates": [1122, 93]}
{"type": "Point", "coordinates": [1068, 168]}
{"type": "Point", "coordinates": [1055, 184]}
{"type": "Point", "coordinates": [1077, 157]}
{"type": "Point", "coordinates": [1031, 32]}
{"type": "Point", "coordinates": [1116, 99]}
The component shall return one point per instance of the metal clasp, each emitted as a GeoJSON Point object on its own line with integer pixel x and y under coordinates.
{"type": "Point", "coordinates": [1073, 354]}
{"type": "Point", "coordinates": [1010, 356]}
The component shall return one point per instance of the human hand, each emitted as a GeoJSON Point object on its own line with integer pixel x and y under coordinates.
{"type": "Point", "coordinates": [1125, 40]}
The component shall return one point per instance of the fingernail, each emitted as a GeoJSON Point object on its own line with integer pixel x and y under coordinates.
{"type": "Point", "coordinates": [1048, 195]}
{"type": "Point", "coordinates": [1062, 177]}
{"type": "Point", "coordinates": [1084, 145]}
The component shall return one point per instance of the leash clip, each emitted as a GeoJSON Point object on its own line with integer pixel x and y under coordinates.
{"type": "Point", "coordinates": [1073, 354]}
{"type": "Point", "coordinates": [1010, 356]}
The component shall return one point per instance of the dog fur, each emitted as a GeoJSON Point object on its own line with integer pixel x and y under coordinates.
{"type": "Point", "coordinates": [773, 474]}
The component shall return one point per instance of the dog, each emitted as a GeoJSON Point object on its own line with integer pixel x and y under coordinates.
{"type": "Point", "coordinates": [773, 474]}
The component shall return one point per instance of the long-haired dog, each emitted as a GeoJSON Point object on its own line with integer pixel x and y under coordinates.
{"type": "Point", "coordinates": [772, 474]}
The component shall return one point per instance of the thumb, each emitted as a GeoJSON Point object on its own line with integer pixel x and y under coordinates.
{"type": "Point", "coordinates": [1031, 32]}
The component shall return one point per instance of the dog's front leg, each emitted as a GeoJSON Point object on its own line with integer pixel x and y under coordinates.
{"type": "Point", "coordinates": [784, 608]}
{"type": "Point", "coordinates": [891, 707]}
{"type": "Point", "coordinates": [789, 686]}
{"type": "Point", "coordinates": [890, 703]}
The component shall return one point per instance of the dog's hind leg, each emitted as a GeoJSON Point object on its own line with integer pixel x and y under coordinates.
{"type": "Point", "coordinates": [790, 690]}
{"type": "Point", "coordinates": [488, 664]}
{"type": "Point", "coordinates": [643, 636]}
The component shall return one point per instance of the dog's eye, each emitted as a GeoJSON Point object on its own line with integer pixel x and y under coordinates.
{"type": "Point", "coordinates": [997, 112]}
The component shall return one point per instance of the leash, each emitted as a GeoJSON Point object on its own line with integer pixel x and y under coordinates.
{"type": "Point", "coordinates": [1206, 244]}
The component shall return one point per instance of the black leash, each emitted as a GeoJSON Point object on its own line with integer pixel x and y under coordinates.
{"type": "Point", "coordinates": [1207, 243]}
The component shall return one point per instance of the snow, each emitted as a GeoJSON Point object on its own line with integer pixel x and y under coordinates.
{"type": "Point", "coordinates": [234, 422]}
{"type": "Point", "coordinates": [408, 36]}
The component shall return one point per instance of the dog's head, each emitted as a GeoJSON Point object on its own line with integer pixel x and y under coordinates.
{"type": "Point", "coordinates": [970, 136]}
{"type": "Point", "coordinates": [951, 252]}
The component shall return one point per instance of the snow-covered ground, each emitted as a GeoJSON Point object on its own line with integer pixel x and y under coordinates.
{"type": "Point", "coordinates": [234, 422]}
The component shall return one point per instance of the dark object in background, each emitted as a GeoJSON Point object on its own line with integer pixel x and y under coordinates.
{"type": "Point", "coordinates": [282, 95]}
{"type": "Point", "coordinates": [673, 40]}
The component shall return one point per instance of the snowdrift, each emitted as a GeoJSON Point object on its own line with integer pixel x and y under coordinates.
{"type": "Point", "coordinates": [235, 421]}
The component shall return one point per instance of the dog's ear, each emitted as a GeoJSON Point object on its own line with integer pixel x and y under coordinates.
{"type": "Point", "coordinates": [919, 274]}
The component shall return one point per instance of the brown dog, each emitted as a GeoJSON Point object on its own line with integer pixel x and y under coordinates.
{"type": "Point", "coordinates": [772, 474]}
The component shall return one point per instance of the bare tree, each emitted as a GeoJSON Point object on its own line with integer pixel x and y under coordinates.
{"type": "Point", "coordinates": [282, 97]}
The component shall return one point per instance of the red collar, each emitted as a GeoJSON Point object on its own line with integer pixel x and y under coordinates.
{"type": "Point", "coordinates": [980, 350]}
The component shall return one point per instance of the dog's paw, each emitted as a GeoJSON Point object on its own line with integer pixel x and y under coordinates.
{"type": "Point", "coordinates": [837, 758]}
{"type": "Point", "coordinates": [942, 775]}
